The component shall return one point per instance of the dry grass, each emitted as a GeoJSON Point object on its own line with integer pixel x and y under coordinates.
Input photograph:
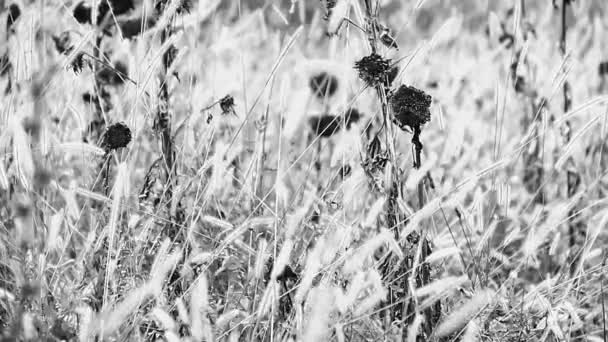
{"type": "Point", "coordinates": [245, 221]}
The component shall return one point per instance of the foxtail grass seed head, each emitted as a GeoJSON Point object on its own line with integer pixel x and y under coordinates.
{"type": "Point", "coordinates": [227, 105]}
{"type": "Point", "coordinates": [323, 85]}
{"type": "Point", "coordinates": [14, 12]}
{"type": "Point", "coordinates": [411, 107]}
{"type": "Point", "coordinates": [116, 136]}
{"type": "Point", "coordinates": [82, 13]}
{"type": "Point", "coordinates": [373, 69]}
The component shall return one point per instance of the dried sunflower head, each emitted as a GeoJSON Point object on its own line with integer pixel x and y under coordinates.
{"type": "Point", "coordinates": [14, 12]}
{"type": "Point", "coordinates": [116, 136]}
{"type": "Point", "coordinates": [373, 69]}
{"type": "Point", "coordinates": [325, 125]}
{"type": "Point", "coordinates": [411, 107]}
{"type": "Point", "coordinates": [227, 105]}
{"type": "Point", "coordinates": [82, 13]}
{"type": "Point", "coordinates": [323, 85]}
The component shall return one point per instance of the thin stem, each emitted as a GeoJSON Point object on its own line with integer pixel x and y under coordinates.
{"type": "Point", "coordinates": [572, 177]}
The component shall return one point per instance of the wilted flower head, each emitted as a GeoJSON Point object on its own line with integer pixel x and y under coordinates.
{"type": "Point", "coordinates": [82, 13]}
{"type": "Point", "coordinates": [116, 136]}
{"type": "Point", "coordinates": [411, 107]}
{"type": "Point", "coordinates": [14, 12]}
{"type": "Point", "coordinates": [227, 104]}
{"type": "Point", "coordinates": [373, 69]}
{"type": "Point", "coordinates": [325, 125]}
{"type": "Point", "coordinates": [323, 84]}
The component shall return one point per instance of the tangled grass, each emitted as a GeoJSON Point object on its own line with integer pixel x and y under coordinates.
{"type": "Point", "coordinates": [245, 171]}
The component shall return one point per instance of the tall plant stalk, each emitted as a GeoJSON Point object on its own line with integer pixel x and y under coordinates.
{"type": "Point", "coordinates": [572, 176]}
{"type": "Point", "coordinates": [402, 306]}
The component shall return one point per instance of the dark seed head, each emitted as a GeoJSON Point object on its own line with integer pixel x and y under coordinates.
{"type": "Point", "coordinates": [170, 55]}
{"type": "Point", "coordinates": [63, 43]}
{"type": "Point", "coordinates": [287, 274]}
{"type": "Point", "coordinates": [132, 27]}
{"type": "Point", "coordinates": [82, 13]}
{"type": "Point", "coordinates": [387, 39]}
{"type": "Point", "coordinates": [114, 76]}
{"type": "Point", "coordinates": [329, 6]}
{"type": "Point", "coordinates": [116, 136]}
{"type": "Point", "coordinates": [42, 177]}
{"type": "Point", "coordinates": [118, 7]}
{"type": "Point", "coordinates": [352, 116]}
{"type": "Point", "coordinates": [345, 171]}
{"type": "Point", "coordinates": [14, 12]}
{"type": "Point", "coordinates": [30, 290]}
{"type": "Point", "coordinates": [323, 85]}
{"type": "Point", "coordinates": [227, 104]}
{"type": "Point", "coordinates": [78, 62]}
{"type": "Point", "coordinates": [23, 209]}
{"type": "Point", "coordinates": [185, 6]}
{"type": "Point", "coordinates": [603, 68]}
{"type": "Point", "coordinates": [325, 125]}
{"type": "Point", "coordinates": [411, 107]}
{"type": "Point", "coordinates": [373, 69]}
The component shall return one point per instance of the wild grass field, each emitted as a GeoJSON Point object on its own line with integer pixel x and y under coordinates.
{"type": "Point", "coordinates": [303, 170]}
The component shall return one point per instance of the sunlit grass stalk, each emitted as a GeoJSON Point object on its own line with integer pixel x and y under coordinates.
{"type": "Point", "coordinates": [167, 12]}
